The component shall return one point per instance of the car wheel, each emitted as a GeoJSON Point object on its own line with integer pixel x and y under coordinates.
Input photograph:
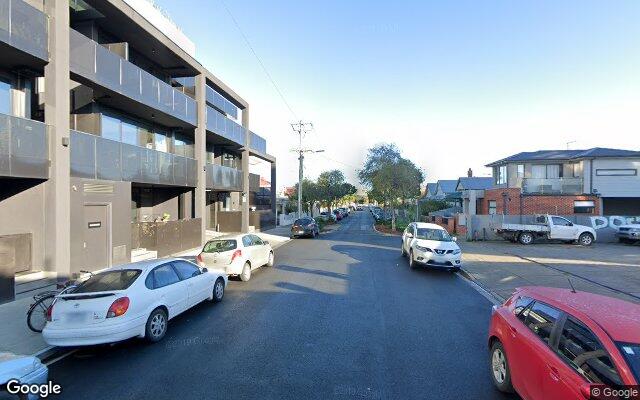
{"type": "Point", "coordinates": [218, 290]}
{"type": "Point", "coordinates": [412, 262]}
{"type": "Point", "coordinates": [525, 238]}
{"type": "Point", "coordinates": [271, 260]}
{"type": "Point", "coordinates": [586, 239]}
{"type": "Point", "coordinates": [156, 326]}
{"type": "Point", "coordinates": [500, 372]}
{"type": "Point", "coordinates": [246, 272]}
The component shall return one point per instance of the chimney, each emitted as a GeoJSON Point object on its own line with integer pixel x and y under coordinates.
{"type": "Point", "coordinates": [470, 173]}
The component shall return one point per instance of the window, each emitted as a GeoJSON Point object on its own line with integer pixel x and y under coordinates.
{"type": "Point", "coordinates": [110, 128]}
{"type": "Point", "coordinates": [219, 246]}
{"type": "Point", "coordinates": [616, 172]}
{"type": "Point", "coordinates": [164, 275]}
{"type": "Point", "coordinates": [183, 145]}
{"type": "Point", "coordinates": [246, 241]}
{"type": "Point", "coordinates": [149, 282]}
{"type": "Point", "coordinates": [520, 171]}
{"type": "Point", "coordinates": [559, 221]}
{"type": "Point", "coordinates": [493, 207]}
{"type": "Point", "coordinates": [521, 303]}
{"type": "Point", "coordinates": [584, 207]}
{"type": "Point", "coordinates": [110, 280]}
{"type": "Point", "coordinates": [582, 350]}
{"type": "Point", "coordinates": [501, 177]}
{"type": "Point", "coordinates": [256, 240]}
{"type": "Point", "coordinates": [439, 235]}
{"type": "Point", "coordinates": [554, 171]}
{"type": "Point", "coordinates": [129, 133]}
{"type": "Point", "coordinates": [162, 142]}
{"type": "Point", "coordinates": [186, 270]}
{"type": "Point", "coordinates": [5, 98]}
{"type": "Point", "coordinates": [541, 319]}
{"type": "Point", "coordinates": [631, 353]}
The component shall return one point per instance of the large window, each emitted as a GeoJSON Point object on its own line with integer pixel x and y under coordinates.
{"type": "Point", "coordinates": [520, 171]}
{"type": "Point", "coordinates": [584, 353]}
{"type": "Point", "coordinates": [584, 207]}
{"type": "Point", "coordinates": [183, 145]}
{"type": "Point", "coordinates": [501, 175]}
{"type": "Point", "coordinates": [493, 206]}
{"type": "Point", "coordinates": [129, 133]}
{"type": "Point", "coordinates": [5, 98]}
{"type": "Point", "coordinates": [110, 128]}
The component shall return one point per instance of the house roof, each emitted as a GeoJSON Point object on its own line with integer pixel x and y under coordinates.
{"type": "Point", "coordinates": [551, 155]}
{"type": "Point", "coordinates": [448, 186]}
{"type": "Point", "coordinates": [475, 183]}
{"type": "Point", "coordinates": [431, 188]}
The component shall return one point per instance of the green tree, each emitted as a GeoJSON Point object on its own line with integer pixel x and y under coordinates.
{"type": "Point", "coordinates": [331, 186]}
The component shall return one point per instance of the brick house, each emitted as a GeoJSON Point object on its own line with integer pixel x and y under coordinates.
{"type": "Point", "coordinates": [597, 181]}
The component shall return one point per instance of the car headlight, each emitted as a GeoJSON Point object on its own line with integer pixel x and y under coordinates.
{"type": "Point", "coordinates": [456, 252]}
{"type": "Point", "coordinates": [423, 248]}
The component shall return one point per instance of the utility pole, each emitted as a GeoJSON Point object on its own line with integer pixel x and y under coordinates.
{"type": "Point", "coordinates": [302, 128]}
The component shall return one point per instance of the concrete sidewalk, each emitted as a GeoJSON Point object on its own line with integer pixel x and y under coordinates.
{"type": "Point", "coordinates": [607, 269]}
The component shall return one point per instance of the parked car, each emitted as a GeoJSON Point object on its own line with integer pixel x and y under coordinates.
{"type": "Point", "coordinates": [629, 233]}
{"type": "Point", "coordinates": [130, 300]}
{"type": "Point", "coordinates": [344, 212]}
{"type": "Point", "coordinates": [548, 227]}
{"type": "Point", "coordinates": [306, 226]}
{"type": "Point", "coordinates": [237, 255]}
{"type": "Point", "coordinates": [549, 343]}
{"type": "Point", "coordinates": [26, 370]}
{"type": "Point", "coordinates": [430, 245]}
{"type": "Point", "coordinates": [327, 216]}
{"type": "Point", "coordinates": [359, 208]}
{"type": "Point", "coordinates": [338, 215]}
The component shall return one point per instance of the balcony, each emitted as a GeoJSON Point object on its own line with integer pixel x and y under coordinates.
{"type": "Point", "coordinates": [220, 177]}
{"type": "Point", "coordinates": [24, 148]}
{"type": "Point", "coordinates": [257, 143]}
{"type": "Point", "coordinates": [216, 99]}
{"type": "Point", "coordinates": [96, 63]}
{"type": "Point", "coordinates": [225, 127]}
{"type": "Point", "coordinates": [552, 186]}
{"type": "Point", "coordinates": [24, 27]}
{"type": "Point", "coordinates": [95, 157]}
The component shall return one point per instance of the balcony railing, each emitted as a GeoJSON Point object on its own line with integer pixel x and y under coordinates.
{"type": "Point", "coordinates": [225, 127]}
{"type": "Point", "coordinates": [552, 186]}
{"type": "Point", "coordinates": [216, 99]}
{"type": "Point", "coordinates": [257, 143]}
{"type": "Point", "coordinates": [220, 177]}
{"type": "Point", "coordinates": [24, 27]}
{"type": "Point", "coordinates": [24, 148]}
{"type": "Point", "coordinates": [96, 63]}
{"type": "Point", "coordinates": [95, 157]}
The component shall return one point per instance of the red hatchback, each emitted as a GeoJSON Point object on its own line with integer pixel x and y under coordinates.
{"type": "Point", "coordinates": [549, 343]}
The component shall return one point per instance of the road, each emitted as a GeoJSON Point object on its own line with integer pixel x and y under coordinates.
{"type": "Point", "coordinates": [341, 316]}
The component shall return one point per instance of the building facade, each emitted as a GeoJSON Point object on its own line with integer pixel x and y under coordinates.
{"type": "Point", "coordinates": [115, 142]}
{"type": "Point", "coordinates": [596, 181]}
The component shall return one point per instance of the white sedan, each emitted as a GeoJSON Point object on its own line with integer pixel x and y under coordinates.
{"type": "Point", "coordinates": [236, 254]}
{"type": "Point", "coordinates": [430, 245]}
{"type": "Point", "coordinates": [131, 300]}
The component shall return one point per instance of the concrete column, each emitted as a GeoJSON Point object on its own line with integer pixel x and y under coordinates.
{"type": "Point", "coordinates": [245, 172]}
{"type": "Point", "coordinates": [274, 195]}
{"type": "Point", "coordinates": [57, 110]}
{"type": "Point", "coordinates": [201, 155]}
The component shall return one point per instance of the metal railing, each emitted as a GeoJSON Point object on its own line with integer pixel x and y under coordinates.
{"type": "Point", "coordinates": [257, 143]}
{"type": "Point", "coordinates": [220, 177]}
{"type": "Point", "coordinates": [552, 185]}
{"type": "Point", "coordinates": [96, 157]}
{"type": "Point", "coordinates": [225, 127]}
{"type": "Point", "coordinates": [24, 27]}
{"type": "Point", "coordinates": [216, 99]}
{"type": "Point", "coordinates": [96, 63]}
{"type": "Point", "coordinates": [24, 148]}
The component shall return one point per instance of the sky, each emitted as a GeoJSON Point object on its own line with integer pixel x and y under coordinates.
{"type": "Point", "coordinates": [454, 84]}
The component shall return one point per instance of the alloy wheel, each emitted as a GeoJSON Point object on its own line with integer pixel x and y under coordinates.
{"type": "Point", "coordinates": [499, 366]}
{"type": "Point", "coordinates": [158, 325]}
{"type": "Point", "coordinates": [219, 290]}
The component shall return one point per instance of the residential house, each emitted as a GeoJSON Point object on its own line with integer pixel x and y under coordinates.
{"type": "Point", "coordinates": [430, 191]}
{"type": "Point", "coordinates": [597, 181]}
{"type": "Point", "coordinates": [472, 192]}
{"type": "Point", "coordinates": [446, 190]}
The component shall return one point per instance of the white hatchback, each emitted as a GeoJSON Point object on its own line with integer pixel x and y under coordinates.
{"type": "Point", "coordinates": [236, 254]}
{"type": "Point", "coordinates": [131, 300]}
{"type": "Point", "coordinates": [430, 245]}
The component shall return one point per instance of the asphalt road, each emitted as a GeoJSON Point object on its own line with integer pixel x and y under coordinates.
{"type": "Point", "coordinates": [341, 316]}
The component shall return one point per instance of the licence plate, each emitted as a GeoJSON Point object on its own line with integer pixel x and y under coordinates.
{"type": "Point", "coordinates": [79, 316]}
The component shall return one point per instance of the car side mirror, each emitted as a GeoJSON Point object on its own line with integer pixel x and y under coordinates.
{"type": "Point", "coordinates": [204, 270]}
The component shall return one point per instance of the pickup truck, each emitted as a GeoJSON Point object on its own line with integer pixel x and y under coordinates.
{"type": "Point", "coordinates": [547, 227]}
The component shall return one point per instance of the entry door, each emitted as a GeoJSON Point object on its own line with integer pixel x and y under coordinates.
{"type": "Point", "coordinates": [96, 237]}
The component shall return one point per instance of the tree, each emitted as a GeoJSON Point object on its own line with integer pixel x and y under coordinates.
{"type": "Point", "coordinates": [331, 186]}
{"type": "Point", "coordinates": [390, 178]}
{"type": "Point", "coordinates": [311, 193]}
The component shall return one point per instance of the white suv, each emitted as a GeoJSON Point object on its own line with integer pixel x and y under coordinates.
{"type": "Point", "coordinates": [236, 254]}
{"type": "Point", "coordinates": [430, 245]}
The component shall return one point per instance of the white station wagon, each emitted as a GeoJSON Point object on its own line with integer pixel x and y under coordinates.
{"type": "Point", "coordinates": [131, 300]}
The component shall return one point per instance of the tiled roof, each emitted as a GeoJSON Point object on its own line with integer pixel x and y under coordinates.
{"type": "Point", "coordinates": [475, 183]}
{"type": "Point", "coordinates": [448, 186]}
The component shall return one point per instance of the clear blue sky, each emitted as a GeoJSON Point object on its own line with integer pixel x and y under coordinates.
{"type": "Point", "coordinates": [456, 84]}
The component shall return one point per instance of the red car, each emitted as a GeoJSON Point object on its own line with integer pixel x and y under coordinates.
{"type": "Point", "coordinates": [549, 344]}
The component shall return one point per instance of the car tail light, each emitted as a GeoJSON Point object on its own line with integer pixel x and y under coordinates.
{"type": "Point", "coordinates": [118, 307]}
{"type": "Point", "coordinates": [199, 259]}
{"type": "Point", "coordinates": [49, 312]}
{"type": "Point", "coordinates": [237, 253]}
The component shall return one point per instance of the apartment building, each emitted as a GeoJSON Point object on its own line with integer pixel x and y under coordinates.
{"type": "Point", "coordinates": [115, 142]}
{"type": "Point", "coordinates": [597, 181]}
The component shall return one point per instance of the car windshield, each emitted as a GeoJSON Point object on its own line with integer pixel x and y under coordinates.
{"type": "Point", "coordinates": [433, 234]}
{"type": "Point", "coordinates": [110, 280]}
{"type": "Point", "coordinates": [219, 246]}
{"type": "Point", "coordinates": [631, 353]}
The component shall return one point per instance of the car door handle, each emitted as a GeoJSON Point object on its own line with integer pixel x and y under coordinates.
{"type": "Point", "coordinates": [553, 373]}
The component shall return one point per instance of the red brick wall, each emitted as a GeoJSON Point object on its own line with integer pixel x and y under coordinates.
{"type": "Point", "coordinates": [519, 204]}
{"type": "Point", "coordinates": [447, 223]}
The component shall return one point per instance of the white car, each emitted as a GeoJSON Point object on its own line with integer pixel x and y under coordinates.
{"type": "Point", "coordinates": [237, 254]}
{"type": "Point", "coordinates": [430, 245]}
{"type": "Point", "coordinates": [629, 233]}
{"type": "Point", "coordinates": [131, 300]}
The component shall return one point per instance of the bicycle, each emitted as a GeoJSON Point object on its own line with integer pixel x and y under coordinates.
{"type": "Point", "coordinates": [37, 314]}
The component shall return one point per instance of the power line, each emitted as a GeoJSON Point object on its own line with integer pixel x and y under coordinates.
{"type": "Point", "coordinates": [264, 68]}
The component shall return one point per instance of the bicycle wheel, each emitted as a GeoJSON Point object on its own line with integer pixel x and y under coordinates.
{"type": "Point", "coordinates": [37, 315]}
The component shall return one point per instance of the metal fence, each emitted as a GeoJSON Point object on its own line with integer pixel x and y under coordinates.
{"type": "Point", "coordinates": [167, 237]}
{"type": "Point", "coordinates": [225, 127]}
{"type": "Point", "coordinates": [24, 27]}
{"type": "Point", "coordinates": [220, 177]}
